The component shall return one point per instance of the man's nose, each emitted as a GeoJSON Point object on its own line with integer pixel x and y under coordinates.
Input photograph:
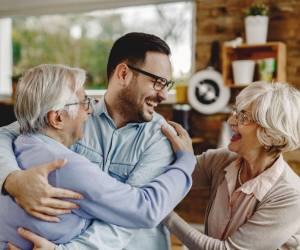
{"type": "Point", "coordinates": [162, 94]}
{"type": "Point", "coordinates": [232, 120]}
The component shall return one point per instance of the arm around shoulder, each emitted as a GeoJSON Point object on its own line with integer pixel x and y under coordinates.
{"type": "Point", "coordinates": [8, 162]}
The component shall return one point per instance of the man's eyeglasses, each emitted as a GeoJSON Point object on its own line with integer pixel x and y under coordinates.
{"type": "Point", "coordinates": [86, 103]}
{"type": "Point", "coordinates": [160, 82]}
{"type": "Point", "coordinates": [241, 116]}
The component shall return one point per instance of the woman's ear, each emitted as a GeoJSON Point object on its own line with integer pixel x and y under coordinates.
{"type": "Point", "coordinates": [56, 119]}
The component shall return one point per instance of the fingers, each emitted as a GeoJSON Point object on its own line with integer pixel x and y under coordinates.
{"type": "Point", "coordinates": [44, 217]}
{"type": "Point", "coordinates": [179, 129]}
{"type": "Point", "coordinates": [12, 247]}
{"type": "Point", "coordinates": [55, 165]}
{"type": "Point", "coordinates": [59, 204]}
{"type": "Point", "coordinates": [64, 193]}
{"type": "Point", "coordinates": [168, 132]}
{"type": "Point", "coordinates": [35, 239]}
{"type": "Point", "coordinates": [52, 211]}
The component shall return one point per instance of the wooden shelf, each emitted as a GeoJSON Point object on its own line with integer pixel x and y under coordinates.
{"type": "Point", "coordinates": [275, 50]}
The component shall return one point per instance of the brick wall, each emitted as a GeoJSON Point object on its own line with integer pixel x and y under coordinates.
{"type": "Point", "coordinates": [224, 20]}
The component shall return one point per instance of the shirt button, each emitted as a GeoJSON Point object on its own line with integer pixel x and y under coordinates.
{"type": "Point", "coordinates": [126, 174]}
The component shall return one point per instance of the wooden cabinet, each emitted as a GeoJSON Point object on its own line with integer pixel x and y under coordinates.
{"type": "Point", "coordinates": [275, 50]}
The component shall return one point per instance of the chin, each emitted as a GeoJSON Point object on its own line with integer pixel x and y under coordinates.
{"type": "Point", "coordinates": [231, 147]}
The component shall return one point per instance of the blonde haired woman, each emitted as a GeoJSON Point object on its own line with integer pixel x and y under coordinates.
{"type": "Point", "coordinates": [254, 194]}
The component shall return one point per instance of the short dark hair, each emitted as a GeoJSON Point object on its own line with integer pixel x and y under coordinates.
{"type": "Point", "coordinates": [132, 48]}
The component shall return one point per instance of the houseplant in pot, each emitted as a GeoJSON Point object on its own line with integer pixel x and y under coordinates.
{"type": "Point", "coordinates": [256, 23]}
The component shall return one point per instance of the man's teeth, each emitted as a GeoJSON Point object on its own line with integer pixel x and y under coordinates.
{"type": "Point", "coordinates": [150, 103]}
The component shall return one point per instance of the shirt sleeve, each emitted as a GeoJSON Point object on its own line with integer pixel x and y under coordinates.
{"type": "Point", "coordinates": [132, 207]}
{"type": "Point", "coordinates": [142, 207]}
{"type": "Point", "coordinates": [8, 161]}
{"type": "Point", "coordinates": [271, 226]}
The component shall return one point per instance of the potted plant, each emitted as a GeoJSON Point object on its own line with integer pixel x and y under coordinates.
{"type": "Point", "coordinates": [256, 23]}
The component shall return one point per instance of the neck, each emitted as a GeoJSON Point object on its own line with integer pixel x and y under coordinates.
{"type": "Point", "coordinates": [58, 136]}
{"type": "Point", "coordinates": [252, 165]}
{"type": "Point", "coordinates": [113, 108]}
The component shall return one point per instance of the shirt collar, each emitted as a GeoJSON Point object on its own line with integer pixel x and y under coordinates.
{"type": "Point", "coordinates": [259, 185]}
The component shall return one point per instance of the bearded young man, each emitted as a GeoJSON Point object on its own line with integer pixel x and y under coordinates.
{"type": "Point", "coordinates": [122, 136]}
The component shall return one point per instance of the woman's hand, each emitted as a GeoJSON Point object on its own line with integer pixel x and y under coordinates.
{"type": "Point", "coordinates": [180, 140]}
{"type": "Point", "coordinates": [39, 243]}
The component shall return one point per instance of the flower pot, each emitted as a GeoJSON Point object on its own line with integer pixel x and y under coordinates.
{"type": "Point", "coordinates": [256, 29]}
{"type": "Point", "coordinates": [243, 71]}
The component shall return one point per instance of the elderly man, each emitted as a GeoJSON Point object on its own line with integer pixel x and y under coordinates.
{"type": "Point", "coordinates": [122, 136]}
{"type": "Point", "coordinates": [51, 108]}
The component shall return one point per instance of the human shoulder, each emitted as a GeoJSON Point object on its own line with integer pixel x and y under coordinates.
{"type": "Point", "coordinates": [218, 156]}
{"type": "Point", "coordinates": [285, 192]}
{"type": "Point", "coordinates": [34, 150]}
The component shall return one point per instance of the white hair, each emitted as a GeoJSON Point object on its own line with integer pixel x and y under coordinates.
{"type": "Point", "coordinates": [275, 107]}
{"type": "Point", "coordinates": [45, 88]}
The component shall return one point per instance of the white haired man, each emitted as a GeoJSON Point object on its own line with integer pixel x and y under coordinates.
{"type": "Point", "coordinates": [52, 108]}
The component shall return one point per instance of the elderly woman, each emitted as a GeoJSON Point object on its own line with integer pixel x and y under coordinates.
{"type": "Point", "coordinates": [254, 194]}
{"type": "Point", "coordinates": [51, 108]}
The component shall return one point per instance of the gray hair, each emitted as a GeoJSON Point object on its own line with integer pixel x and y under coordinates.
{"type": "Point", "coordinates": [275, 107]}
{"type": "Point", "coordinates": [45, 88]}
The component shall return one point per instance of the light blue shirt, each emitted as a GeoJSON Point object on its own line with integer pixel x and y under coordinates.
{"type": "Point", "coordinates": [103, 194]}
{"type": "Point", "coordinates": [134, 154]}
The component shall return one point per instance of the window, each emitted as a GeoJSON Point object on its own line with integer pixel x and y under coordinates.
{"type": "Point", "coordinates": [84, 40]}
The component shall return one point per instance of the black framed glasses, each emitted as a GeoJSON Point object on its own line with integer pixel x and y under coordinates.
{"type": "Point", "coordinates": [160, 83]}
{"type": "Point", "coordinates": [86, 103]}
{"type": "Point", "coordinates": [241, 116]}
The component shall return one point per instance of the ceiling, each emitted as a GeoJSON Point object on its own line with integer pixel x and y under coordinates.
{"type": "Point", "coordinates": [10, 8]}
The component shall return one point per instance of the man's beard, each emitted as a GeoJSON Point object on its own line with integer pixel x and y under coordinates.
{"type": "Point", "coordinates": [128, 107]}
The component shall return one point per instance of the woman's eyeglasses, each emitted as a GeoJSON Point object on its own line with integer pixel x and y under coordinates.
{"type": "Point", "coordinates": [241, 116]}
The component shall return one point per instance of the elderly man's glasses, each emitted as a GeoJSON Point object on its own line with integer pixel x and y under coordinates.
{"type": "Point", "coordinates": [241, 116]}
{"type": "Point", "coordinates": [86, 103]}
{"type": "Point", "coordinates": [160, 83]}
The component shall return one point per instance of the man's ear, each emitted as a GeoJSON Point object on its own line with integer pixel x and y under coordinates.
{"type": "Point", "coordinates": [56, 119]}
{"type": "Point", "coordinates": [123, 74]}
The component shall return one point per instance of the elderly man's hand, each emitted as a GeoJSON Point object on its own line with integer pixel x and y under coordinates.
{"type": "Point", "coordinates": [32, 192]}
{"type": "Point", "coordinates": [39, 243]}
{"type": "Point", "coordinates": [180, 141]}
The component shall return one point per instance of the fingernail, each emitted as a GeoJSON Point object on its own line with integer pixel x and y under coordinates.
{"type": "Point", "coordinates": [20, 230]}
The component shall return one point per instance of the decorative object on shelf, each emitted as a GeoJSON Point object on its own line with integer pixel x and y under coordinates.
{"type": "Point", "coordinates": [256, 23]}
{"type": "Point", "coordinates": [235, 42]}
{"type": "Point", "coordinates": [273, 55]}
{"type": "Point", "coordinates": [266, 69]}
{"type": "Point", "coordinates": [206, 92]}
{"type": "Point", "coordinates": [243, 71]}
{"type": "Point", "coordinates": [181, 92]}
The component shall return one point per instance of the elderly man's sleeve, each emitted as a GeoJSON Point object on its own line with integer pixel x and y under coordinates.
{"type": "Point", "coordinates": [8, 161]}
